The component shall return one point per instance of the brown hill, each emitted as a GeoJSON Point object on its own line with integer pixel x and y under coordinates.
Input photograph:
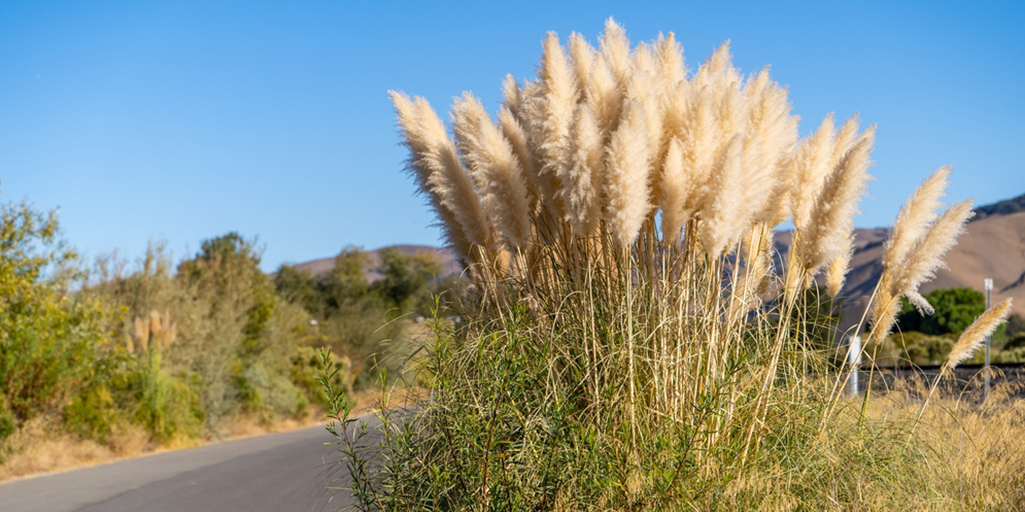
{"type": "Point", "coordinates": [1005, 207]}
{"type": "Point", "coordinates": [447, 259]}
{"type": "Point", "coordinates": [992, 247]}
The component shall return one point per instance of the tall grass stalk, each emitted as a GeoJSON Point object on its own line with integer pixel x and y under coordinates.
{"type": "Point", "coordinates": [645, 352]}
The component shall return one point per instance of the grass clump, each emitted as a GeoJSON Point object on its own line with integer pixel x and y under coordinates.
{"type": "Point", "coordinates": [633, 341]}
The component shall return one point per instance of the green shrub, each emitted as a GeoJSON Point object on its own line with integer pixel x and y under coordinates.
{"type": "Point", "coordinates": [47, 338]}
{"type": "Point", "coordinates": [1012, 355]}
{"type": "Point", "coordinates": [956, 309]}
{"type": "Point", "coordinates": [269, 395]}
{"type": "Point", "coordinates": [922, 349]}
{"type": "Point", "coordinates": [93, 412]}
{"type": "Point", "coordinates": [8, 425]}
{"type": "Point", "coordinates": [306, 363]}
{"type": "Point", "coordinates": [167, 404]}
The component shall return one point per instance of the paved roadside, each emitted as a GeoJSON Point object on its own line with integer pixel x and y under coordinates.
{"type": "Point", "coordinates": [287, 471]}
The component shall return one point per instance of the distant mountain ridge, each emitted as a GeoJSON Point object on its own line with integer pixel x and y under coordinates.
{"type": "Point", "coordinates": [445, 257]}
{"type": "Point", "coordinates": [1005, 207]}
{"type": "Point", "coordinates": [993, 247]}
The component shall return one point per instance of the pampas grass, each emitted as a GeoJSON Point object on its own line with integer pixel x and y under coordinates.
{"type": "Point", "coordinates": [642, 342]}
{"type": "Point", "coordinates": [811, 167]}
{"type": "Point", "coordinates": [626, 178]}
{"type": "Point", "coordinates": [835, 208]}
{"type": "Point", "coordinates": [495, 168]}
{"type": "Point", "coordinates": [926, 255]}
{"type": "Point", "coordinates": [915, 216]}
{"type": "Point", "coordinates": [976, 334]}
{"type": "Point", "coordinates": [583, 173]}
{"type": "Point", "coordinates": [915, 249]}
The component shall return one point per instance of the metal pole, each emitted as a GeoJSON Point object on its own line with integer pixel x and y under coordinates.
{"type": "Point", "coordinates": [854, 361]}
{"type": "Point", "coordinates": [989, 291]}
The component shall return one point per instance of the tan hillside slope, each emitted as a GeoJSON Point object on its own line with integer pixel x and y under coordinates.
{"type": "Point", "coordinates": [447, 259]}
{"type": "Point", "coordinates": [993, 248]}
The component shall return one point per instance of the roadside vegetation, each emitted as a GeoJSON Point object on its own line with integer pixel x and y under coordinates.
{"type": "Point", "coordinates": [927, 339]}
{"type": "Point", "coordinates": [113, 358]}
{"type": "Point", "coordinates": [628, 343]}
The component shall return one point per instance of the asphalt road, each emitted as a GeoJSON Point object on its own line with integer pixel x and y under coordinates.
{"type": "Point", "coordinates": [289, 471]}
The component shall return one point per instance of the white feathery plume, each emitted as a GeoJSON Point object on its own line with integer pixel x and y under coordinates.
{"type": "Point", "coordinates": [517, 138]}
{"type": "Point", "coordinates": [558, 99]}
{"type": "Point", "coordinates": [776, 136]}
{"type": "Point", "coordinates": [845, 139]}
{"type": "Point", "coordinates": [643, 88]}
{"type": "Point", "coordinates": [495, 169]}
{"type": "Point", "coordinates": [920, 303]}
{"type": "Point", "coordinates": [582, 56]}
{"type": "Point", "coordinates": [836, 206]}
{"type": "Point", "coordinates": [780, 205]}
{"type": "Point", "coordinates": [914, 218]}
{"type": "Point", "coordinates": [717, 71]}
{"type": "Point", "coordinates": [541, 172]}
{"type": "Point", "coordinates": [700, 143]}
{"type": "Point", "coordinates": [614, 47]}
{"type": "Point", "coordinates": [604, 95]}
{"type": "Point", "coordinates": [430, 163]}
{"type": "Point", "coordinates": [626, 178]}
{"type": "Point", "coordinates": [732, 113]}
{"type": "Point", "coordinates": [976, 334]}
{"type": "Point", "coordinates": [760, 151]}
{"type": "Point", "coordinates": [672, 69]}
{"type": "Point", "coordinates": [449, 179]}
{"type": "Point", "coordinates": [721, 225]}
{"type": "Point", "coordinates": [581, 179]}
{"type": "Point", "coordinates": [675, 189]}
{"type": "Point", "coordinates": [811, 166]}
{"type": "Point", "coordinates": [511, 96]}
{"type": "Point", "coordinates": [838, 267]}
{"type": "Point", "coordinates": [926, 256]}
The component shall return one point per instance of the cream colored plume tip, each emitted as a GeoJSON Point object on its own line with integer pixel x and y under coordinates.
{"type": "Point", "coordinates": [977, 333]}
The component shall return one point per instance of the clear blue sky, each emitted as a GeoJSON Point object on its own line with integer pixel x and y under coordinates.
{"type": "Point", "coordinates": [185, 120]}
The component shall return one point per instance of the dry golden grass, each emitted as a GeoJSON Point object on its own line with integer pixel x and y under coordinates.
{"type": "Point", "coordinates": [38, 447]}
{"type": "Point", "coordinates": [973, 447]}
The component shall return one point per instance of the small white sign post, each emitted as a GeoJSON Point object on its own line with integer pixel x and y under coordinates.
{"type": "Point", "coordinates": [854, 361]}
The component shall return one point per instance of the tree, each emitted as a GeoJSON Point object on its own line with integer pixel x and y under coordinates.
{"type": "Point", "coordinates": [956, 309]}
{"type": "Point", "coordinates": [228, 268]}
{"type": "Point", "coordinates": [298, 287]}
{"type": "Point", "coordinates": [346, 284]}
{"type": "Point", "coordinates": [46, 336]}
{"type": "Point", "coordinates": [407, 279]}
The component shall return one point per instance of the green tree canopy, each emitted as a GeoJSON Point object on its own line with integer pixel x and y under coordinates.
{"type": "Point", "coordinates": [956, 309]}
{"type": "Point", "coordinates": [408, 279]}
{"type": "Point", "coordinates": [45, 336]}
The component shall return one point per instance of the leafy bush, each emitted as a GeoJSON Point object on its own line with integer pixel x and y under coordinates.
{"type": "Point", "coordinates": [167, 405]}
{"type": "Point", "coordinates": [93, 412]}
{"type": "Point", "coordinates": [922, 349]}
{"type": "Point", "coordinates": [956, 309]}
{"type": "Point", "coordinates": [361, 320]}
{"type": "Point", "coordinates": [306, 366]}
{"type": "Point", "coordinates": [46, 337]}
